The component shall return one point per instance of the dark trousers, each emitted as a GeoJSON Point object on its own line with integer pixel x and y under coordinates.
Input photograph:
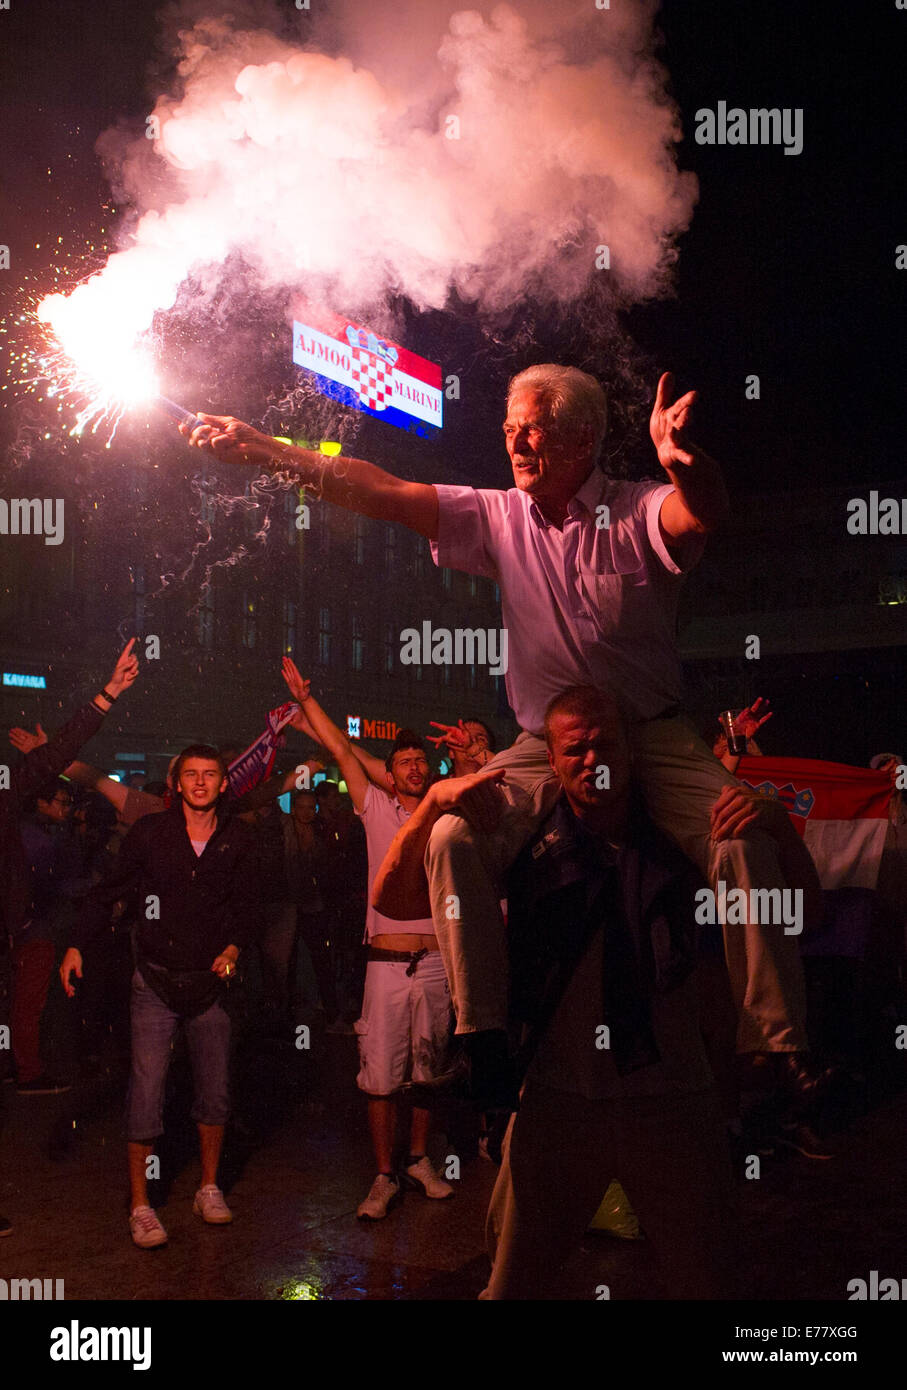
{"type": "Point", "coordinates": [33, 963]}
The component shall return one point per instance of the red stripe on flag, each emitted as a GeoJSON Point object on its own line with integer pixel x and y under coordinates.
{"type": "Point", "coordinates": [840, 792]}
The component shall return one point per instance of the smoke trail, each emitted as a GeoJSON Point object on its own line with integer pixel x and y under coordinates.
{"type": "Point", "coordinates": [422, 151]}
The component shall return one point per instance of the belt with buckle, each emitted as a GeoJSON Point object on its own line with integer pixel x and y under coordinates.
{"type": "Point", "coordinates": [413, 957]}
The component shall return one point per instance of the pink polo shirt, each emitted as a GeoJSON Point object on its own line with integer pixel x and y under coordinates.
{"type": "Point", "coordinates": [382, 816]}
{"type": "Point", "coordinates": [583, 606]}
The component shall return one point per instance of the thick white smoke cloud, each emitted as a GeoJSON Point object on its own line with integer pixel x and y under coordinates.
{"type": "Point", "coordinates": [326, 160]}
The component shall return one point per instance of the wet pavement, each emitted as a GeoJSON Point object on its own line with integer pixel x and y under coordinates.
{"type": "Point", "coordinates": [297, 1163]}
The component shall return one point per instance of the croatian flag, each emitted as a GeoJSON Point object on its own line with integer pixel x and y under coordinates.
{"type": "Point", "coordinates": [254, 765]}
{"type": "Point", "coordinates": [842, 814]}
{"type": "Point", "coordinates": [372, 372]}
{"type": "Point", "coordinates": [356, 367]}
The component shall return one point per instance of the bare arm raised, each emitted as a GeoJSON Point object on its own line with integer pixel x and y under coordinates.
{"type": "Point", "coordinates": [328, 735]}
{"type": "Point", "coordinates": [351, 483]}
{"type": "Point", "coordinates": [299, 689]}
{"type": "Point", "coordinates": [401, 889]}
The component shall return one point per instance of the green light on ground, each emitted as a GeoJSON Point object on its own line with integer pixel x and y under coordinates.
{"type": "Point", "coordinates": [329, 446]}
{"type": "Point", "coordinates": [297, 1290]}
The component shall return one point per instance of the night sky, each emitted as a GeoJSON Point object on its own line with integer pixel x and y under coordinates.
{"type": "Point", "coordinates": [788, 270]}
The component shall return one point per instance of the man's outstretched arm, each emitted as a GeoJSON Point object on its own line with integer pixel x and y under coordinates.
{"type": "Point", "coordinates": [401, 887]}
{"type": "Point", "coordinates": [351, 483]}
{"type": "Point", "coordinates": [374, 767]}
{"type": "Point", "coordinates": [49, 757]}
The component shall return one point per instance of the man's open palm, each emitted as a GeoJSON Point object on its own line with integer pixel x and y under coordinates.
{"type": "Point", "coordinates": [668, 422]}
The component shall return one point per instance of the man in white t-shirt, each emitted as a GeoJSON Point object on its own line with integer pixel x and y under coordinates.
{"type": "Point", "coordinates": [406, 1018]}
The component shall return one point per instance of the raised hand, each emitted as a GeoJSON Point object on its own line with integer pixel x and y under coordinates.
{"type": "Point", "coordinates": [231, 440]}
{"type": "Point", "coordinates": [300, 689]}
{"type": "Point", "coordinates": [125, 671]}
{"type": "Point", "coordinates": [753, 717]}
{"type": "Point", "coordinates": [668, 422]}
{"type": "Point", "coordinates": [25, 741]}
{"type": "Point", "coordinates": [454, 735]}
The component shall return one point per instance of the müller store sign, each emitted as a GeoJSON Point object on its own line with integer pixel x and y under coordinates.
{"type": "Point", "coordinates": [357, 727]}
{"type": "Point", "coordinates": [359, 369]}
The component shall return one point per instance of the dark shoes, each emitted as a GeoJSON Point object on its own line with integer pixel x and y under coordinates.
{"type": "Point", "coordinates": [803, 1140]}
{"type": "Point", "coordinates": [802, 1078]}
{"type": "Point", "coordinates": [491, 1141]}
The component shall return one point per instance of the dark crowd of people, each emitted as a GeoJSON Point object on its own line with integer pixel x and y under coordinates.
{"type": "Point", "coordinates": [524, 933]}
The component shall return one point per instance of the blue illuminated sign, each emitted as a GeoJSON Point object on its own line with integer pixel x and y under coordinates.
{"type": "Point", "coordinates": [25, 682]}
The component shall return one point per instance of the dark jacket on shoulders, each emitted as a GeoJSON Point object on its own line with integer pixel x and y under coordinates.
{"type": "Point", "coordinates": [563, 887]}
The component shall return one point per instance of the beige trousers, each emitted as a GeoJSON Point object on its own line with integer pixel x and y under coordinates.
{"type": "Point", "coordinates": [681, 780]}
{"type": "Point", "coordinates": [671, 1156]}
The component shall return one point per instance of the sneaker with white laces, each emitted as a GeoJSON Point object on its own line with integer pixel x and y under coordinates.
{"type": "Point", "coordinates": [383, 1193]}
{"type": "Point", "coordinates": [209, 1203]}
{"type": "Point", "coordinates": [426, 1179]}
{"type": "Point", "coordinates": [146, 1230]}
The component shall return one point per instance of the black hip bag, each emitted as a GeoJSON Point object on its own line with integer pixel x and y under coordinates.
{"type": "Point", "coordinates": [187, 992]}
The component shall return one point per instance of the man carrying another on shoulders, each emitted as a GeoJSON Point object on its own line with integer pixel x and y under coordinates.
{"type": "Point", "coordinates": [603, 952]}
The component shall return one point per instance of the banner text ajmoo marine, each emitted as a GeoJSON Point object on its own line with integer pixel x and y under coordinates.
{"type": "Point", "coordinates": [356, 367]}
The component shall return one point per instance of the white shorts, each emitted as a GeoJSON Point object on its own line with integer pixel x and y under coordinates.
{"type": "Point", "coordinates": [405, 1025]}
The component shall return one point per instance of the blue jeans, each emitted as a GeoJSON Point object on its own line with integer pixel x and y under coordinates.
{"type": "Point", "coordinates": [208, 1038]}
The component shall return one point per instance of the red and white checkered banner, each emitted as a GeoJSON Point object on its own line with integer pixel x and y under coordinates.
{"type": "Point", "coordinates": [372, 378]}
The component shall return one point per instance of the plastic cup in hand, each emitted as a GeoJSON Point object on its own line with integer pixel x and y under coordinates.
{"type": "Point", "coordinates": [736, 738]}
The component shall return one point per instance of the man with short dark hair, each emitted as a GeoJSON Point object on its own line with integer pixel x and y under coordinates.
{"type": "Point", "coordinates": [405, 1024]}
{"type": "Point", "coordinates": [195, 871]}
{"type": "Point", "coordinates": [603, 945]}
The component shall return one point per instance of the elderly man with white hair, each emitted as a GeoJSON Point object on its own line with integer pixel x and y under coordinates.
{"type": "Point", "coordinates": [589, 570]}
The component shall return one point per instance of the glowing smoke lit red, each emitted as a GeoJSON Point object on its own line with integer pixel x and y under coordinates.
{"type": "Point", "coordinates": [498, 166]}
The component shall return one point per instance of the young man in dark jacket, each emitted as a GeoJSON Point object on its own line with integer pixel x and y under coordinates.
{"type": "Point", "coordinates": [195, 870]}
{"type": "Point", "coordinates": [20, 783]}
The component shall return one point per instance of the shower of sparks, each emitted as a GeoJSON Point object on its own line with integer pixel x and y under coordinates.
{"type": "Point", "coordinates": [72, 351]}
{"type": "Point", "coordinates": [108, 370]}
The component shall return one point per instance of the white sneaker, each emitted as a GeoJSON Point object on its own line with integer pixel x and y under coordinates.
{"type": "Point", "coordinates": [209, 1203]}
{"type": "Point", "coordinates": [383, 1193]}
{"type": "Point", "coordinates": [423, 1176]}
{"type": "Point", "coordinates": [146, 1230]}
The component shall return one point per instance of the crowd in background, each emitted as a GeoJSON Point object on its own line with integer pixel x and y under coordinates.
{"type": "Point", "coordinates": [310, 959]}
